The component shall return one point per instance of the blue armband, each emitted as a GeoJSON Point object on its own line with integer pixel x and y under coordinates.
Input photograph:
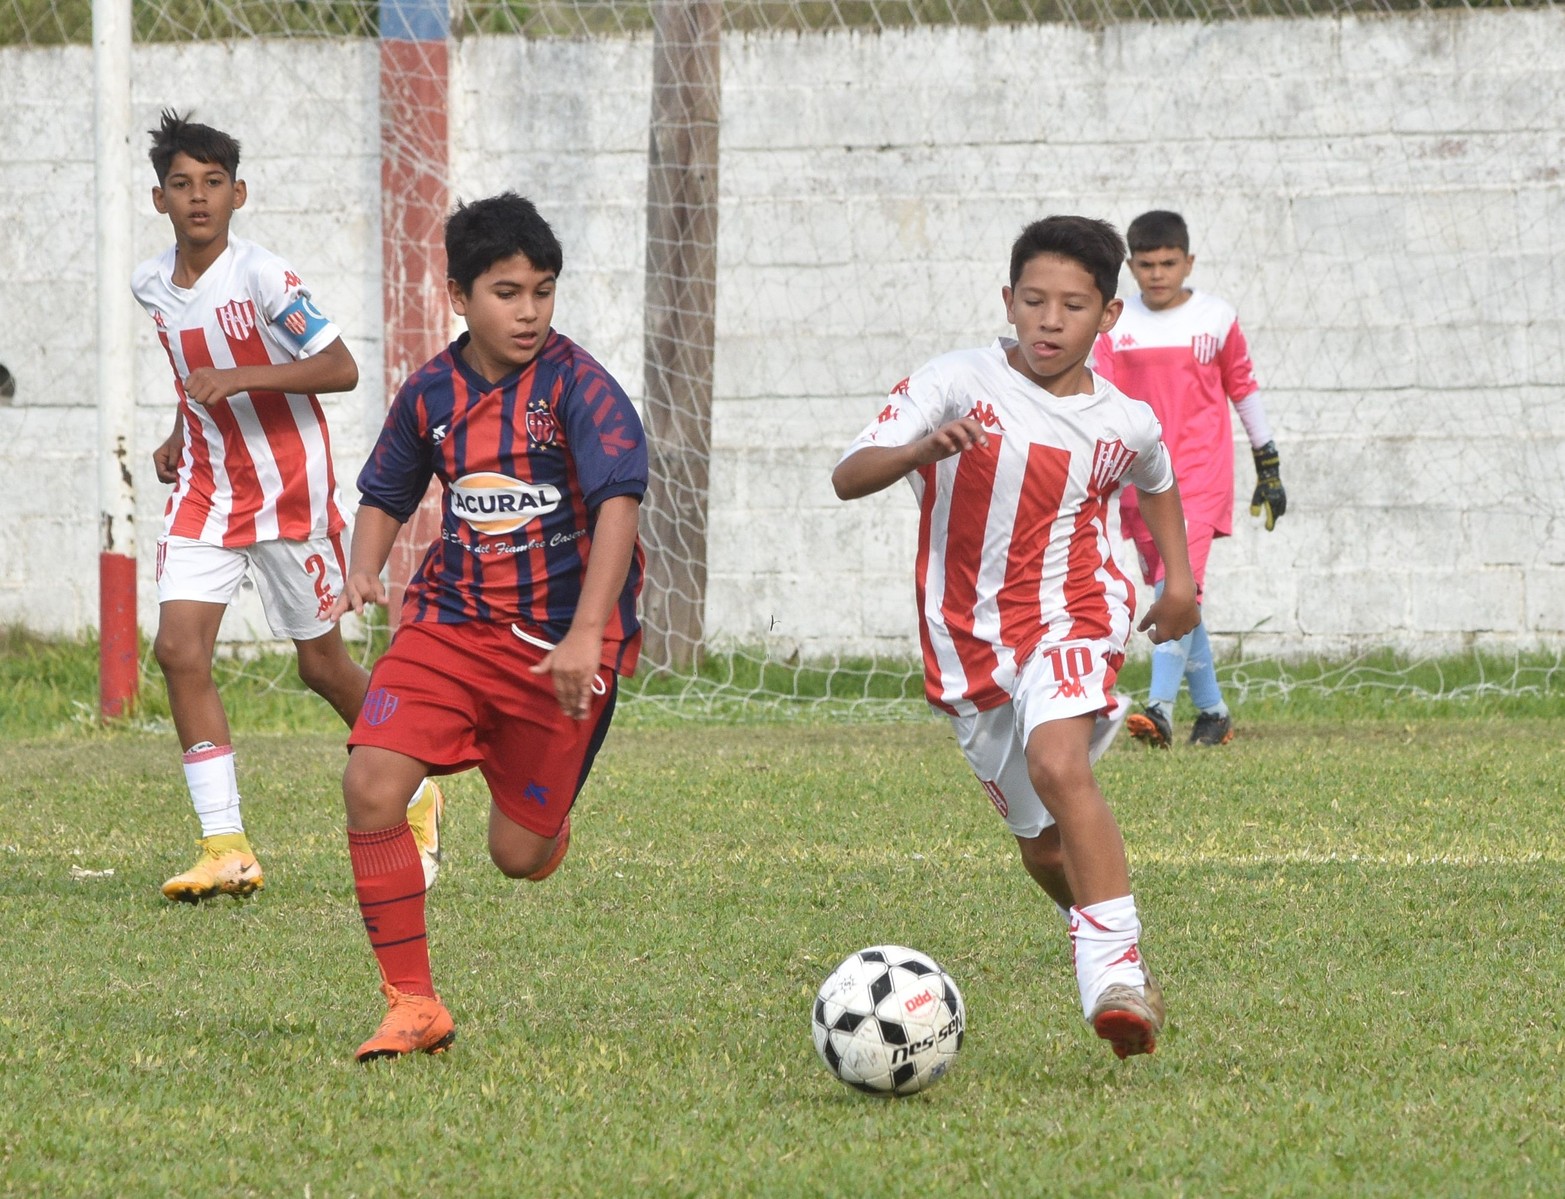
{"type": "Point", "coordinates": [300, 322]}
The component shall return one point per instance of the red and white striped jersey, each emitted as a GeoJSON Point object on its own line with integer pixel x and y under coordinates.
{"type": "Point", "coordinates": [1187, 362]}
{"type": "Point", "coordinates": [256, 467]}
{"type": "Point", "coordinates": [1013, 543]}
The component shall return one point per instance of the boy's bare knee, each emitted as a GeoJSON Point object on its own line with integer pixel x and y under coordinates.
{"type": "Point", "coordinates": [322, 667]}
{"type": "Point", "coordinates": [176, 655]}
{"type": "Point", "coordinates": [518, 862]}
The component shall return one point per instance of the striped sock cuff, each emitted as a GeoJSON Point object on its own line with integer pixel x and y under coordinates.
{"type": "Point", "coordinates": [383, 851]}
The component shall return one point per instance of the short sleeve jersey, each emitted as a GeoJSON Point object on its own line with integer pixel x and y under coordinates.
{"type": "Point", "coordinates": [1013, 545]}
{"type": "Point", "coordinates": [256, 466]}
{"type": "Point", "coordinates": [1188, 363]}
{"type": "Point", "coordinates": [523, 466]}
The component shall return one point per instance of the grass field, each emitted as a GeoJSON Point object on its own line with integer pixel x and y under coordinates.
{"type": "Point", "coordinates": [1357, 916]}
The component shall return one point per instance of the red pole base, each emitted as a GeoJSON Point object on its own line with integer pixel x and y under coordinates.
{"type": "Point", "coordinates": [119, 674]}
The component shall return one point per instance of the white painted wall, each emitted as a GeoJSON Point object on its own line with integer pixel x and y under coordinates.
{"type": "Point", "coordinates": [1381, 198]}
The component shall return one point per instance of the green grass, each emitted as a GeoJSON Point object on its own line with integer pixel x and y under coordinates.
{"type": "Point", "coordinates": [1356, 920]}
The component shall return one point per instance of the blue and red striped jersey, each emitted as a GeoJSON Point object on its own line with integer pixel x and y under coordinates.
{"type": "Point", "coordinates": [524, 465]}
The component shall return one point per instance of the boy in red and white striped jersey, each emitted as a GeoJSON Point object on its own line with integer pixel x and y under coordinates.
{"type": "Point", "coordinates": [254, 487]}
{"type": "Point", "coordinates": [1014, 452]}
{"type": "Point", "coordinates": [1181, 351]}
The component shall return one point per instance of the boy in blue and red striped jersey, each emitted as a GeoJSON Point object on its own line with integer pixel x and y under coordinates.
{"type": "Point", "coordinates": [523, 611]}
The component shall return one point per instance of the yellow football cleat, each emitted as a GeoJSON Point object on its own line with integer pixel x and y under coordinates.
{"type": "Point", "coordinates": [424, 818]}
{"type": "Point", "coordinates": [413, 1024]}
{"type": "Point", "coordinates": [227, 866]}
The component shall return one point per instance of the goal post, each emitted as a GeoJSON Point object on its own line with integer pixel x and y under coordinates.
{"type": "Point", "coordinates": [118, 643]}
{"type": "Point", "coordinates": [679, 325]}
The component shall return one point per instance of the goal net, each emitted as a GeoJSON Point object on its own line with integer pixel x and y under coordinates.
{"type": "Point", "coordinates": [773, 211]}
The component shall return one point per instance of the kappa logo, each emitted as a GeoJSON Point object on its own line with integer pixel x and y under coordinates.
{"type": "Point", "coordinates": [1110, 461]}
{"type": "Point", "coordinates": [1124, 342]}
{"type": "Point", "coordinates": [900, 389]}
{"type": "Point", "coordinates": [1204, 346]}
{"type": "Point", "coordinates": [536, 793]}
{"type": "Point", "coordinates": [291, 280]}
{"type": "Point", "coordinates": [889, 412]}
{"type": "Point", "coordinates": [984, 414]}
{"type": "Point", "coordinates": [438, 433]}
{"type": "Point", "coordinates": [1071, 689]}
{"type": "Point", "coordinates": [379, 706]}
{"type": "Point", "coordinates": [157, 319]}
{"type": "Point", "coordinates": [495, 503]}
{"type": "Point", "coordinates": [996, 796]}
{"type": "Point", "coordinates": [237, 318]}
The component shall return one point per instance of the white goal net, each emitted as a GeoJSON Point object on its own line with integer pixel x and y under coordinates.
{"type": "Point", "coordinates": [773, 211]}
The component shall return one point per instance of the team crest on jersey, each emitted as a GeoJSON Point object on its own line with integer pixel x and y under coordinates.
{"type": "Point", "coordinates": [1110, 461]}
{"type": "Point", "coordinates": [494, 503]}
{"type": "Point", "coordinates": [541, 428]}
{"type": "Point", "coordinates": [1204, 346]}
{"type": "Point", "coordinates": [237, 318]}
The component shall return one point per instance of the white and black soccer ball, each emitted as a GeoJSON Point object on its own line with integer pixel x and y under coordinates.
{"type": "Point", "coordinates": [889, 1020]}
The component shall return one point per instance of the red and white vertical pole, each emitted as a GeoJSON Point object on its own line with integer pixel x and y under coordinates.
{"type": "Point", "coordinates": [118, 665]}
{"type": "Point", "coordinates": [414, 162]}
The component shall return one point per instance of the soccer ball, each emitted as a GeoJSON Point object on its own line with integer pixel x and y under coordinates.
{"type": "Point", "coordinates": [888, 1021]}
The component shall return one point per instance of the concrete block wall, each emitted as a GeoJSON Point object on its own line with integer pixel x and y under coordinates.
{"type": "Point", "coordinates": [1379, 197]}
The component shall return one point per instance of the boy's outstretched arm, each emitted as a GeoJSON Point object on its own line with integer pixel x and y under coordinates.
{"type": "Point", "coordinates": [575, 661]}
{"type": "Point", "coordinates": [874, 468]}
{"type": "Point", "coordinates": [1175, 612]}
{"type": "Point", "coordinates": [374, 531]}
{"type": "Point", "coordinates": [333, 369]}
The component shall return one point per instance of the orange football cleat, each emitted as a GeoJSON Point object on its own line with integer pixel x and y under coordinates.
{"type": "Point", "coordinates": [413, 1024]}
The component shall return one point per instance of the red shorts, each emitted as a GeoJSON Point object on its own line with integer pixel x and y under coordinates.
{"type": "Point", "coordinates": [455, 696]}
{"type": "Point", "coordinates": [1197, 535]}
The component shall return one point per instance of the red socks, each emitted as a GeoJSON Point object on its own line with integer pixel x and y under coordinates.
{"type": "Point", "coordinates": [389, 880]}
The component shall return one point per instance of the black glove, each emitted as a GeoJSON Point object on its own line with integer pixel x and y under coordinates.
{"type": "Point", "coordinates": [1268, 485]}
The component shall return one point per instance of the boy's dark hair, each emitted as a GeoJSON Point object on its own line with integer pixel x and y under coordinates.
{"type": "Point", "coordinates": [1096, 245]}
{"type": "Point", "coordinates": [177, 134]}
{"type": "Point", "coordinates": [485, 232]}
{"type": "Point", "coordinates": [1158, 230]}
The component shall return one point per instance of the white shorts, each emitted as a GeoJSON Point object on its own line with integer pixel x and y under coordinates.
{"type": "Point", "coordinates": [1060, 680]}
{"type": "Point", "coordinates": [299, 581]}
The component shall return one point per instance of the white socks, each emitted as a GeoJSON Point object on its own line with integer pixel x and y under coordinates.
{"type": "Point", "coordinates": [1104, 943]}
{"type": "Point", "coordinates": [214, 790]}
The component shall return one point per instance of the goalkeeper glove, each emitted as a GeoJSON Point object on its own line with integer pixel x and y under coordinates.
{"type": "Point", "coordinates": [1268, 485]}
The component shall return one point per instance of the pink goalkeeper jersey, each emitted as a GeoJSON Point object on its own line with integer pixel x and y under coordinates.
{"type": "Point", "coordinates": [1013, 545]}
{"type": "Point", "coordinates": [257, 466]}
{"type": "Point", "coordinates": [1187, 363]}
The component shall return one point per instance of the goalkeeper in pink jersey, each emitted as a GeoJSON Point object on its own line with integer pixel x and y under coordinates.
{"type": "Point", "coordinates": [1181, 350]}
